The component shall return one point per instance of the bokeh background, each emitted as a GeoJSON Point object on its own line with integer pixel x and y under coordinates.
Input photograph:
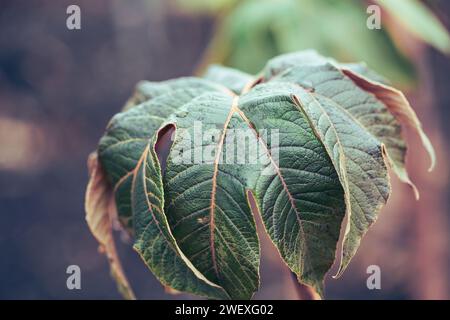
{"type": "Point", "coordinates": [59, 87]}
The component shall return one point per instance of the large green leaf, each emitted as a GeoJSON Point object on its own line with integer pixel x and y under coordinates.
{"type": "Point", "coordinates": [357, 156]}
{"type": "Point", "coordinates": [154, 241]}
{"type": "Point", "coordinates": [310, 140]}
{"type": "Point", "coordinates": [301, 202]}
{"type": "Point", "coordinates": [207, 205]}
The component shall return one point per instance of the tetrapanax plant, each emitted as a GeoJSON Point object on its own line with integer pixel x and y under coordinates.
{"type": "Point", "coordinates": [338, 127]}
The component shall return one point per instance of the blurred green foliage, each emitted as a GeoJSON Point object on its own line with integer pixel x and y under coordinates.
{"type": "Point", "coordinates": [249, 32]}
{"type": "Point", "coordinates": [420, 21]}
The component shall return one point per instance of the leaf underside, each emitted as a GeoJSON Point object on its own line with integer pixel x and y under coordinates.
{"type": "Point", "coordinates": [338, 127]}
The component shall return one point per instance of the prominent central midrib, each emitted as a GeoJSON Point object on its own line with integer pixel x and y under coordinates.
{"type": "Point", "coordinates": [212, 225]}
{"type": "Point", "coordinates": [278, 171]}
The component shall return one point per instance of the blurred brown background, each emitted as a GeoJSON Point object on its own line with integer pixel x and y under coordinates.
{"type": "Point", "coordinates": [59, 87]}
